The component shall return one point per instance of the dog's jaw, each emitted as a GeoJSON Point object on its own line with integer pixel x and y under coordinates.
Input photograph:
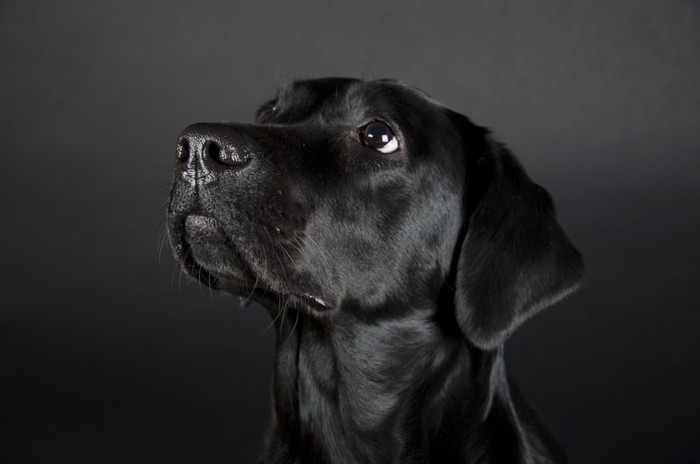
{"type": "Point", "coordinates": [206, 254]}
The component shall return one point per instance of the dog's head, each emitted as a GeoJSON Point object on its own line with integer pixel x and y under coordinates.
{"type": "Point", "coordinates": [367, 197]}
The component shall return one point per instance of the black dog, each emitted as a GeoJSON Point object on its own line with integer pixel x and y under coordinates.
{"type": "Point", "coordinates": [396, 246]}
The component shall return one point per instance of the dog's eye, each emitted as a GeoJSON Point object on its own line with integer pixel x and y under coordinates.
{"type": "Point", "coordinates": [266, 114]}
{"type": "Point", "coordinates": [379, 136]}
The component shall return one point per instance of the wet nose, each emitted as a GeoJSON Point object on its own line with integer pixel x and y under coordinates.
{"type": "Point", "coordinates": [214, 145]}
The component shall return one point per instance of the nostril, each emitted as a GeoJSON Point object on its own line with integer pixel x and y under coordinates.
{"type": "Point", "coordinates": [213, 151]}
{"type": "Point", "coordinates": [183, 150]}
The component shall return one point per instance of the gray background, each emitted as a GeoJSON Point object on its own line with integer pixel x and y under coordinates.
{"type": "Point", "coordinates": [108, 355]}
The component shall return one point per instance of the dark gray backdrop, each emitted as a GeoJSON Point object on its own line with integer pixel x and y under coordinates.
{"type": "Point", "coordinates": [107, 355]}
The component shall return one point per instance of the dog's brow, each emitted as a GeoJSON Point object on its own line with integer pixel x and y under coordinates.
{"type": "Point", "coordinates": [285, 88]}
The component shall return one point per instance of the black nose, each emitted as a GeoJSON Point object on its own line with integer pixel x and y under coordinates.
{"type": "Point", "coordinates": [215, 145]}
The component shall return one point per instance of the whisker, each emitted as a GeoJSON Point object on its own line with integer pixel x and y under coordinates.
{"type": "Point", "coordinates": [284, 317]}
{"type": "Point", "coordinates": [284, 273]}
{"type": "Point", "coordinates": [296, 319]}
{"type": "Point", "coordinates": [211, 292]}
{"type": "Point", "coordinates": [272, 322]}
{"type": "Point", "coordinates": [252, 291]}
{"type": "Point", "coordinates": [199, 277]}
{"type": "Point", "coordinates": [284, 313]}
{"type": "Point", "coordinates": [288, 255]}
{"type": "Point", "coordinates": [162, 238]}
{"type": "Point", "coordinates": [188, 255]}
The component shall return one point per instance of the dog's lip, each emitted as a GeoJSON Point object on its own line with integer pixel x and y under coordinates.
{"type": "Point", "coordinates": [188, 261]}
{"type": "Point", "coordinates": [317, 300]}
{"type": "Point", "coordinates": [194, 226]}
{"type": "Point", "coordinates": [196, 222]}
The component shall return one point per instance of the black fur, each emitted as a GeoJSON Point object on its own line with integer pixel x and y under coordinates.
{"type": "Point", "coordinates": [393, 279]}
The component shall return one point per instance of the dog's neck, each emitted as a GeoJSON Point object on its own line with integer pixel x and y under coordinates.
{"type": "Point", "coordinates": [371, 391]}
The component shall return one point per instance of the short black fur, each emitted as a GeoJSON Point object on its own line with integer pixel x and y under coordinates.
{"type": "Point", "coordinates": [393, 279]}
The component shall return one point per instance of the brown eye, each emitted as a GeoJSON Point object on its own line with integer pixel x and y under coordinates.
{"type": "Point", "coordinates": [266, 114]}
{"type": "Point", "coordinates": [379, 136]}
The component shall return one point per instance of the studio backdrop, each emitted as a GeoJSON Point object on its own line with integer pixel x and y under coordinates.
{"type": "Point", "coordinates": [109, 354]}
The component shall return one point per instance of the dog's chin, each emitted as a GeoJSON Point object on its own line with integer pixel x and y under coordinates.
{"type": "Point", "coordinates": [204, 254]}
{"type": "Point", "coordinates": [207, 255]}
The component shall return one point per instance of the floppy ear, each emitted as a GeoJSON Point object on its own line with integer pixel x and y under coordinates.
{"type": "Point", "coordinates": [515, 259]}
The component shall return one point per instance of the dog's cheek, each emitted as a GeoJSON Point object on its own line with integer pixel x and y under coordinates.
{"type": "Point", "coordinates": [350, 259]}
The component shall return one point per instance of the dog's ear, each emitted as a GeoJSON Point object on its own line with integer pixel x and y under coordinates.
{"type": "Point", "coordinates": [514, 259]}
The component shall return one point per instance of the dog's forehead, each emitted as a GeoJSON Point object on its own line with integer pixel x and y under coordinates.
{"type": "Point", "coordinates": [349, 97]}
{"type": "Point", "coordinates": [323, 88]}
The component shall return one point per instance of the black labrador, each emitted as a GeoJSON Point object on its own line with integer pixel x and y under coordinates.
{"type": "Point", "coordinates": [396, 246]}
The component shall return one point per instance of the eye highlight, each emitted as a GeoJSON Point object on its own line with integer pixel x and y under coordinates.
{"type": "Point", "coordinates": [379, 136]}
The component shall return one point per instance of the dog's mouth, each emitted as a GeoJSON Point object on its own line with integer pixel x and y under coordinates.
{"type": "Point", "coordinates": [206, 254]}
